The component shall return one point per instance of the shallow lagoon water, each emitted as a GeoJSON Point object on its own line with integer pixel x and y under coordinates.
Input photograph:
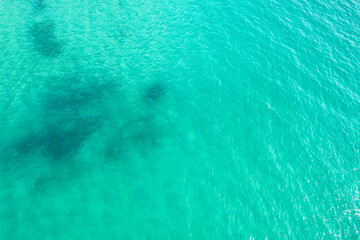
{"type": "Point", "coordinates": [179, 120]}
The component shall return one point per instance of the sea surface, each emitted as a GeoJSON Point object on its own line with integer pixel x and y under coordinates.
{"type": "Point", "coordinates": [186, 119]}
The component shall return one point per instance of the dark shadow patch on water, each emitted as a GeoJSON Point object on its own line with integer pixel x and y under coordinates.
{"type": "Point", "coordinates": [146, 135]}
{"type": "Point", "coordinates": [57, 141]}
{"type": "Point", "coordinates": [154, 92]}
{"type": "Point", "coordinates": [143, 134]}
{"type": "Point", "coordinates": [39, 5]}
{"type": "Point", "coordinates": [72, 110]}
{"type": "Point", "coordinates": [146, 132]}
{"type": "Point", "coordinates": [119, 33]}
{"type": "Point", "coordinates": [71, 94]}
{"type": "Point", "coordinates": [44, 39]}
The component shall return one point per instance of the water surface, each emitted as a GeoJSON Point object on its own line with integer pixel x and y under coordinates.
{"type": "Point", "coordinates": [179, 119]}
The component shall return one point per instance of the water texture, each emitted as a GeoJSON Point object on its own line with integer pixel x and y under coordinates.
{"type": "Point", "coordinates": [179, 119]}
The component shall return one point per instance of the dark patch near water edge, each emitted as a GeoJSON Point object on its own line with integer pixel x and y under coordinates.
{"type": "Point", "coordinates": [44, 38]}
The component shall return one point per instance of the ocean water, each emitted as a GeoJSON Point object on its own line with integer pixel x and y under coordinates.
{"type": "Point", "coordinates": [182, 119]}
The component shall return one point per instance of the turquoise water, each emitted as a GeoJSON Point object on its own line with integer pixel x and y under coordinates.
{"type": "Point", "coordinates": [179, 119]}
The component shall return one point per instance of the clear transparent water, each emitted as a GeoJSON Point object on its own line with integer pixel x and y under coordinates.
{"type": "Point", "coordinates": [179, 119]}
